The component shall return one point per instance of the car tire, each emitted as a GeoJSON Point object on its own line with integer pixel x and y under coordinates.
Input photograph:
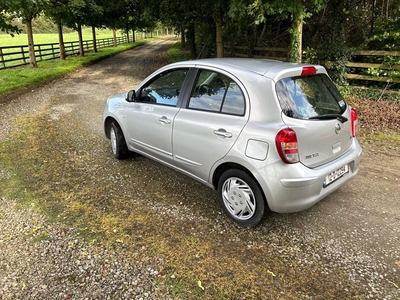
{"type": "Point", "coordinates": [118, 144]}
{"type": "Point", "coordinates": [241, 198]}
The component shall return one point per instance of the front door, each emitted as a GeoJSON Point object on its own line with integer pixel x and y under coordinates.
{"type": "Point", "coordinates": [150, 119]}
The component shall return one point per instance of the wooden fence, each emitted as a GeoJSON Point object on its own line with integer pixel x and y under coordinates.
{"type": "Point", "coordinates": [377, 57]}
{"type": "Point", "coordinates": [13, 56]}
{"type": "Point", "coordinates": [362, 60]}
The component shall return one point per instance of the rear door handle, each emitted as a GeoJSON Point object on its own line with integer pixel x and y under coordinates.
{"type": "Point", "coordinates": [164, 120]}
{"type": "Point", "coordinates": [223, 133]}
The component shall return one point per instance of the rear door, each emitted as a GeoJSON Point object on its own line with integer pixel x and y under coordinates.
{"type": "Point", "coordinates": [209, 124]}
{"type": "Point", "coordinates": [313, 107]}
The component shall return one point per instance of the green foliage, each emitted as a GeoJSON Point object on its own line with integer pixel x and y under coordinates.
{"type": "Point", "coordinates": [310, 56]}
{"type": "Point", "coordinates": [6, 18]}
{"type": "Point", "coordinates": [26, 9]}
{"type": "Point", "coordinates": [369, 93]}
{"type": "Point", "coordinates": [42, 24]}
{"type": "Point", "coordinates": [387, 40]}
{"type": "Point", "coordinates": [336, 58]}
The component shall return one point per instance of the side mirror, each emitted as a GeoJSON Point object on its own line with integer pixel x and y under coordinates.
{"type": "Point", "coordinates": [131, 96]}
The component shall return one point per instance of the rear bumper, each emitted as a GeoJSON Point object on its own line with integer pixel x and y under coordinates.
{"type": "Point", "coordinates": [293, 188]}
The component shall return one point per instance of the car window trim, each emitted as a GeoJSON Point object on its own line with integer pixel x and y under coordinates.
{"type": "Point", "coordinates": [188, 83]}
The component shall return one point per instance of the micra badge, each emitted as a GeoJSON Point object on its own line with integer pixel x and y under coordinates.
{"type": "Point", "coordinates": [312, 155]}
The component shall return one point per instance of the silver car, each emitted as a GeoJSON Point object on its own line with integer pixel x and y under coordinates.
{"type": "Point", "coordinates": [265, 134]}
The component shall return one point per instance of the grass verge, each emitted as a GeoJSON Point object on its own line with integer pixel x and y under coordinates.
{"type": "Point", "coordinates": [25, 77]}
{"type": "Point", "coordinates": [176, 53]}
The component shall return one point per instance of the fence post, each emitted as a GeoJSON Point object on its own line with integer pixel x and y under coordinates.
{"type": "Point", "coordinates": [23, 54]}
{"type": "Point", "coordinates": [2, 59]}
{"type": "Point", "coordinates": [40, 52]}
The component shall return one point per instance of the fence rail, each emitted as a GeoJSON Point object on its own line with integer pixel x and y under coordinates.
{"type": "Point", "coordinates": [356, 68]}
{"type": "Point", "coordinates": [14, 56]}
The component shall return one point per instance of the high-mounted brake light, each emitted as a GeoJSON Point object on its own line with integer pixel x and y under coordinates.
{"type": "Point", "coordinates": [308, 71]}
{"type": "Point", "coordinates": [354, 122]}
{"type": "Point", "coordinates": [286, 144]}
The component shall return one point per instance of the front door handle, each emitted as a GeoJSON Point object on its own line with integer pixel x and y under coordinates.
{"type": "Point", "coordinates": [223, 133]}
{"type": "Point", "coordinates": [164, 120]}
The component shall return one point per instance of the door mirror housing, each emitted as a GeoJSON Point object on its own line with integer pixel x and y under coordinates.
{"type": "Point", "coordinates": [131, 96]}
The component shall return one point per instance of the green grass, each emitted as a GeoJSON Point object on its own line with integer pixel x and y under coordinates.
{"type": "Point", "coordinates": [24, 77]}
{"type": "Point", "coordinates": [176, 53]}
{"type": "Point", "coordinates": [47, 38]}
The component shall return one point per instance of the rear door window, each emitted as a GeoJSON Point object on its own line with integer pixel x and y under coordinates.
{"type": "Point", "coordinates": [216, 92]}
{"type": "Point", "coordinates": [309, 96]}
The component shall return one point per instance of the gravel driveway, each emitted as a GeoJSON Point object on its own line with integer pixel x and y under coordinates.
{"type": "Point", "coordinates": [345, 247]}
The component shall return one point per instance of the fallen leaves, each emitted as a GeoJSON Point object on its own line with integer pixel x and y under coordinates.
{"type": "Point", "coordinates": [377, 115]}
{"type": "Point", "coordinates": [200, 285]}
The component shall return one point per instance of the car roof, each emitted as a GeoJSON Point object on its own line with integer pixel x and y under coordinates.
{"type": "Point", "coordinates": [264, 67]}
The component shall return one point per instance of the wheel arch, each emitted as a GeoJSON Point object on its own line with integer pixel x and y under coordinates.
{"type": "Point", "coordinates": [231, 165]}
{"type": "Point", "coordinates": [107, 125]}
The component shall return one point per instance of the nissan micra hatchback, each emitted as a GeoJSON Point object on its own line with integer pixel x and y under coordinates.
{"type": "Point", "coordinates": [265, 134]}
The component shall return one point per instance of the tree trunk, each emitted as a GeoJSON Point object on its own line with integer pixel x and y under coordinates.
{"type": "Point", "coordinates": [133, 36]}
{"type": "Point", "coordinates": [81, 51]}
{"type": "Point", "coordinates": [183, 40]}
{"type": "Point", "coordinates": [297, 36]}
{"type": "Point", "coordinates": [127, 35]}
{"type": "Point", "coordinates": [219, 38]}
{"type": "Point", "coordinates": [218, 28]}
{"type": "Point", "coordinates": [191, 37]}
{"type": "Point", "coordinates": [31, 45]}
{"type": "Point", "coordinates": [373, 16]}
{"type": "Point", "coordinates": [94, 39]}
{"type": "Point", "coordinates": [115, 37]}
{"type": "Point", "coordinates": [263, 32]}
{"type": "Point", "coordinates": [61, 40]}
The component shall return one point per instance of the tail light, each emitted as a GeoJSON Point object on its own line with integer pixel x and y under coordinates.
{"type": "Point", "coordinates": [311, 70]}
{"type": "Point", "coordinates": [354, 122]}
{"type": "Point", "coordinates": [286, 144]}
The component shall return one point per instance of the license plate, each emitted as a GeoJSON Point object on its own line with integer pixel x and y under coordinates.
{"type": "Point", "coordinates": [335, 175]}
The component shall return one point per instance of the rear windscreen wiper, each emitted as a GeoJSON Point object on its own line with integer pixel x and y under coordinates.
{"type": "Point", "coordinates": [330, 117]}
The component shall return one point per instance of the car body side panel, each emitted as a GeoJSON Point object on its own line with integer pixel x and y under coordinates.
{"type": "Point", "coordinates": [148, 129]}
{"type": "Point", "coordinates": [196, 142]}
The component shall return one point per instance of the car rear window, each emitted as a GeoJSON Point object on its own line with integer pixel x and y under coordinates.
{"type": "Point", "coordinates": [309, 96]}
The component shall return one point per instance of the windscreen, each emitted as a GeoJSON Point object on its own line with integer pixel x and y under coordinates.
{"type": "Point", "coordinates": [309, 97]}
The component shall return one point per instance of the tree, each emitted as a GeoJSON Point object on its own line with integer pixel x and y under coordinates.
{"type": "Point", "coordinates": [173, 13]}
{"type": "Point", "coordinates": [115, 16]}
{"type": "Point", "coordinates": [297, 10]}
{"type": "Point", "coordinates": [79, 13]}
{"type": "Point", "coordinates": [27, 10]}
{"type": "Point", "coordinates": [56, 10]}
{"type": "Point", "coordinates": [195, 20]}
